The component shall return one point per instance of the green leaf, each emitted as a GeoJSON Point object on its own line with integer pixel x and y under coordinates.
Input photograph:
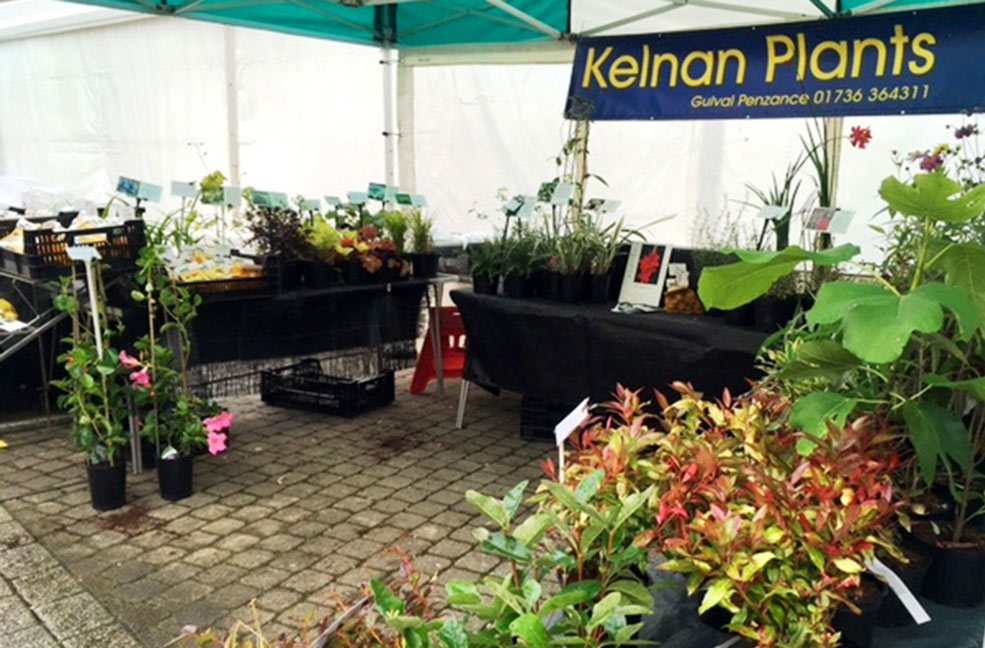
{"type": "Point", "coordinates": [974, 386]}
{"type": "Point", "coordinates": [936, 433]}
{"type": "Point", "coordinates": [461, 592]}
{"type": "Point", "coordinates": [386, 602]}
{"type": "Point", "coordinates": [453, 635]}
{"type": "Point", "coordinates": [568, 499]}
{"type": "Point", "coordinates": [877, 323]}
{"type": "Point", "coordinates": [491, 507]}
{"type": "Point", "coordinates": [959, 302]}
{"type": "Point", "coordinates": [847, 565]}
{"type": "Point", "coordinates": [634, 591]}
{"type": "Point", "coordinates": [633, 504]}
{"type": "Point", "coordinates": [531, 630]}
{"type": "Point", "coordinates": [604, 609]}
{"type": "Point", "coordinates": [512, 501]}
{"type": "Point", "coordinates": [719, 590]}
{"type": "Point", "coordinates": [531, 530]}
{"type": "Point", "coordinates": [813, 412]}
{"type": "Point", "coordinates": [731, 286]}
{"type": "Point", "coordinates": [934, 196]}
{"type": "Point", "coordinates": [572, 595]}
{"type": "Point", "coordinates": [964, 267]}
{"type": "Point", "coordinates": [822, 359]}
{"type": "Point", "coordinates": [588, 487]}
{"type": "Point", "coordinates": [816, 557]}
{"type": "Point", "coordinates": [507, 546]}
{"type": "Point", "coordinates": [531, 592]}
{"type": "Point", "coordinates": [88, 381]}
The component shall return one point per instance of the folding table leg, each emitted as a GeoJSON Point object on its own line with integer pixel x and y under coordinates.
{"type": "Point", "coordinates": [463, 399]}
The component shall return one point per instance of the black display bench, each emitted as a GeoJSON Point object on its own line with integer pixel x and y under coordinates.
{"type": "Point", "coordinates": [560, 353]}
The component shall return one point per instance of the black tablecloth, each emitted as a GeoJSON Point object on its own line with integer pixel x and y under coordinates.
{"type": "Point", "coordinates": [276, 325]}
{"type": "Point", "coordinates": [563, 352]}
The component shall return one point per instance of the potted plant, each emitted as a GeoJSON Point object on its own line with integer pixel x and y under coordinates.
{"type": "Point", "coordinates": [423, 257]}
{"type": "Point", "coordinates": [94, 393]}
{"type": "Point", "coordinates": [570, 252]}
{"type": "Point", "coordinates": [320, 271]}
{"type": "Point", "coordinates": [905, 349]}
{"type": "Point", "coordinates": [485, 261]}
{"type": "Point", "coordinates": [519, 258]}
{"type": "Point", "coordinates": [282, 235]}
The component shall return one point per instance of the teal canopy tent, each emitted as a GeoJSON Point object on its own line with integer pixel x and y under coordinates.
{"type": "Point", "coordinates": [400, 23]}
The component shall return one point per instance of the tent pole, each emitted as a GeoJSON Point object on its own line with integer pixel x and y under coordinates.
{"type": "Point", "coordinates": [389, 134]}
{"type": "Point", "coordinates": [834, 127]}
{"type": "Point", "coordinates": [406, 163]}
{"type": "Point", "coordinates": [232, 105]}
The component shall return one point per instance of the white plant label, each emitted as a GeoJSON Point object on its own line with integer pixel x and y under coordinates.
{"type": "Point", "coordinates": [563, 192]}
{"type": "Point", "coordinates": [149, 192]}
{"type": "Point", "coordinates": [12, 326]}
{"type": "Point", "coordinates": [232, 196]}
{"type": "Point", "coordinates": [900, 589]}
{"type": "Point", "coordinates": [183, 189]}
{"type": "Point", "coordinates": [772, 212]}
{"type": "Point", "coordinates": [333, 201]}
{"type": "Point", "coordinates": [417, 200]}
{"type": "Point", "coordinates": [311, 204]}
{"type": "Point", "coordinates": [571, 422]}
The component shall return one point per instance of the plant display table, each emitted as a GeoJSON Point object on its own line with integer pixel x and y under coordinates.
{"type": "Point", "coordinates": [564, 352]}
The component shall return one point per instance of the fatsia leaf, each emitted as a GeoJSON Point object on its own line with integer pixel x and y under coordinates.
{"type": "Point", "coordinates": [530, 629]}
{"type": "Point", "coordinates": [730, 286]}
{"type": "Point", "coordinates": [877, 324]}
{"type": "Point", "coordinates": [935, 433]}
{"type": "Point", "coordinates": [964, 267]}
{"type": "Point", "coordinates": [934, 196]}
{"type": "Point", "coordinates": [813, 412]}
{"type": "Point", "coordinates": [824, 358]}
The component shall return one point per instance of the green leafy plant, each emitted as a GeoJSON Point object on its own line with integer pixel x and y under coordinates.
{"type": "Point", "coordinates": [422, 239]}
{"type": "Point", "coordinates": [782, 192]}
{"type": "Point", "coordinates": [396, 224]}
{"type": "Point", "coordinates": [486, 258]}
{"type": "Point", "coordinates": [324, 239]}
{"type": "Point", "coordinates": [94, 389]}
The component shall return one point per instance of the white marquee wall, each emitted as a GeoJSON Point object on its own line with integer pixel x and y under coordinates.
{"type": "Point", "coordinates": [146, 98]}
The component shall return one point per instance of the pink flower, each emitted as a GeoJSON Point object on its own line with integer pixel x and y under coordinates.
{"type": "Point", "coordinates": [219, 422]}
{"type": "Point", "coordinates": [217, 442]}
{"type": "Point", "coordinates": [128, 361]}
{"type": "Point", "coordinates": [140, 379]}
{"type": "Point", "coordinates": [931, 162]}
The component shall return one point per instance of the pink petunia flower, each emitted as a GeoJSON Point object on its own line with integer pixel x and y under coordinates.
{"type": "Point", "coordinates": [128, 361]}
{"type": "Point", "coordinates": [219, 422]}
{"type": "Point", "coordinates": [217, 442]}
{"type": "Point", "coordinates": [140, 379]}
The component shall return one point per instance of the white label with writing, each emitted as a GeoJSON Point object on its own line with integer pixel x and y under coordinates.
{"type": "Point", "coordinates": [900, 589]}
{"type": "Point", "coordinates": [571, 422]}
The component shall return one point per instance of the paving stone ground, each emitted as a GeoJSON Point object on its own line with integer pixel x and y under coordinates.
{"type": "Point", "coordinates": [303, 507]}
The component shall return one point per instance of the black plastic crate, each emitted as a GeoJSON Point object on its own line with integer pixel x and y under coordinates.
{"type": "Point", "coordinates": [538, 418]}
{"type": "Point", "coordinates": [45, 255]}
{"type": "Point", "coordinates": [305, 386]}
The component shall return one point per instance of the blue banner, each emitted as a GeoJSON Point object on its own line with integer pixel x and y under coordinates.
{"type": "Point", "coordinates": [930, 61]}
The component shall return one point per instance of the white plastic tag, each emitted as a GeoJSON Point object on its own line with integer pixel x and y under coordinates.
{"type": "Point", "coordinates": [899, 588]}
{"type": "Point", "coordinates": [571, 422]}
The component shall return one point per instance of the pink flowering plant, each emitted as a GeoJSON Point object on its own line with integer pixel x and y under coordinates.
{"type": "Point", "coordinates": [176, 421]}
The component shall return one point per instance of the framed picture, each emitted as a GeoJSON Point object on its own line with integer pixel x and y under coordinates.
{"type": "Point", "coordinates": [646, 273]}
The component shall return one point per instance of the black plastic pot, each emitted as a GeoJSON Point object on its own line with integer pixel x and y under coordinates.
{"type": "Point", "coordinates": [318, 274]}
{"type": "Point", "coordinates": [174, 476]}
{"type": "Point", "coordinates": [598, 288]}
{"type": "Point", "coordinates": [773, 314]}
{"type": "Point", "coordinates": [483, 284]}
{"type": "Point", "coordinates": [355, 274]}
{"type": "Point", "coordinates": [549, 285]}
{"type": "Point", "coordinates": [892, 613]}
{"type": "Point", "coordinates": [570, 288]}
{"type": "Point", "coordinates": [107, 485]}
{"type": "Point", "coordinates": [956, 577]}
{"type": "Point", "coordinates": [513, 285]}
{"type": "Point", "coordinates": [742, 316]}
{"type": "Point", "coordinates": [291, 275]}
{"type": "Point", "coordinates": [425, 265]}
{"type": "Point", "coordinates": [857, 629]}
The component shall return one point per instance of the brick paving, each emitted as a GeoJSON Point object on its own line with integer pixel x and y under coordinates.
{"type": "Point", "coordinates": [303, 507]}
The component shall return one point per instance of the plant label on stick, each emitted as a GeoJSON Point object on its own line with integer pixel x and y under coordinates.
{"type": "Point", "coordinates": [87, 255]}
{"type": "Point", "coordinates": [333, 201]}
{"type": "Point", "coordinates": [562, 194]}
{"type": "Point", "coordinates": [232, 196]}
{"type": "Point", "coordinates": [183, 189]}
{"type": "Point", "coordinates": [311, 204]}
{"type": "Point", "coordinates": [358, 197]}
{"type": "Point", "coordinates": [390, 193]}
{"type": "Point", "coordinates": [840, 221]}
{"type": "Point", "coordinates": [404, 199]}
{"type": "Point", "coordinates": [127, 186]}
{"type": "Point", "coordinates": [900, 589]}
{"type": "Point", "coordinates": [513, 206]}
{"type": "Point", "coordinates": [575, 419]}
{"type": "Point", "coordinates": [527, 208]}
{"type": "Point", "coordinates": [377, 191]}
{"type": "Point", "coordinates": [829, 220]}
{"type": "Point", "coordinates": [417, 200]}
{"type": "Point", "coordinates": [772, 212]}
{"type": "Point", "coordinates": [149, 192]}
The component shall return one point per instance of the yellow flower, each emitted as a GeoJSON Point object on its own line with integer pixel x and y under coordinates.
{"type": "Point", "coordinates": [942, 148]}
